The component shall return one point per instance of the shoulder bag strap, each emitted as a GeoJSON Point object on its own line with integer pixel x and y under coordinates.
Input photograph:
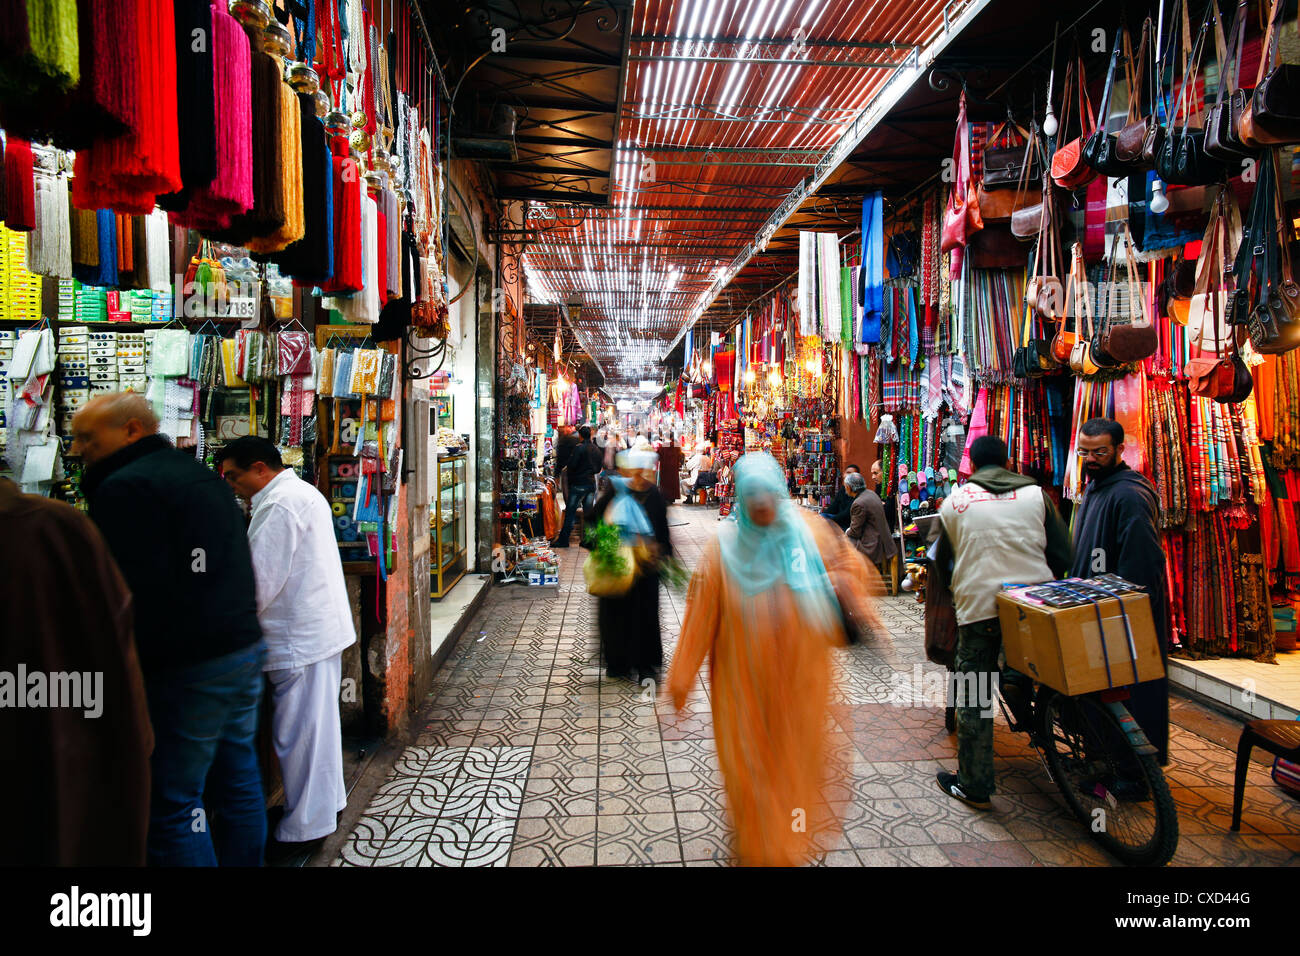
{"type": "Point", "coordinates": [1135, 69]}
{"type": "Point", "coordinates": [1283, 231]}
{"type": "Point", "coordinates": [1268, 52]}
{"type": "Point", "coordinates": [1063, 128]}
{"type": "Point", "coordinates": [1085, 101]}
{"type": "Point", "coordinates": [1104, 106]}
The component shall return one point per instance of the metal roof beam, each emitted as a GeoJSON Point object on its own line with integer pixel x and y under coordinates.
{"type": "Point", "coordinates": [846, 64]}
{"type": "Point", "coordinates": [775, 43]}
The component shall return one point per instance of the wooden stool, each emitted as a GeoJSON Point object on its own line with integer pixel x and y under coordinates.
{"type": "Point", "coordinates": [1281, 738]}
{"type": "Point", "coordinates": [889, 574]}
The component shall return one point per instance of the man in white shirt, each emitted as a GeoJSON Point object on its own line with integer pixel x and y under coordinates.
{"type": "Point", "coordinates": [302, 605]}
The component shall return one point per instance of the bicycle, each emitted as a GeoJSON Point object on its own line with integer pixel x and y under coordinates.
{"type": "Point", "coordinates": [1105, 767]}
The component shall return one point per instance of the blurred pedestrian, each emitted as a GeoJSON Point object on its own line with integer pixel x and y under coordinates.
{"type": "Point", "coordinates": [770, 598]}
{"type": "Point", "coordinates": [580, 469]}
{"type": "Point", "coordinates": [670, 466]}
{"type": "Point", "coordinates": [302, 603]}
{"type": "Point", "coordinates": [77, 771]}
{"type": "Point", "coordinates": [629, 624]}
{"type": "Point", "coordinates": [178, 537]}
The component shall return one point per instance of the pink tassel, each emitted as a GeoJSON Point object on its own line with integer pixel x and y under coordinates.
{"type": "Point", "coordinates": [231, 192]}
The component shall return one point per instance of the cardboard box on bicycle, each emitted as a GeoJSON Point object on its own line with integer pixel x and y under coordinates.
{"type": "Point", "coordinates": [1069, 648]}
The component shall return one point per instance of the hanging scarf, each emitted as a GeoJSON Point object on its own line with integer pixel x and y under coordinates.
{"type": "Point", "coordinates": [873, 266]}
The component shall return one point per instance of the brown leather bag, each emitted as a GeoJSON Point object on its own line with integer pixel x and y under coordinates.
{"type": "Point", "coordinates": [1069, 171]}
{"type": "Point", "coordinates": [1044, 293]}
{"type": "Point", "coordinates": [993, 247]}
{"type": "Point", "coordinates": [1271, 115]}
{"type": "Point", "coordinates": [1137, 339]}
{"type": "Point", "coordinates": [1000, 205]}
{"type": "Point", "coordinates": [1131, 137]}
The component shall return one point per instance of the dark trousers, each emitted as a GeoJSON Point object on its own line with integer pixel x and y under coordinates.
{"type": "Point", "coordinates": [577, 495]}
{"type": "Point", "coordinates": [975, 664]}
{"type": "Point", "coordinates": [205, 762]}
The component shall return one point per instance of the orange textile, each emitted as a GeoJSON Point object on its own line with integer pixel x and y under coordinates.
{"type": "Point", "coordinates": [1265, 384]}
{"type": "Point", "coordinates": [770, 676]}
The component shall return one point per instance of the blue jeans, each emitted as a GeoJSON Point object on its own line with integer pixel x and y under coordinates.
{"type": "Point", "coordinates": [577, 495]}
{"type": "Point", "coordinates": [205, 762]}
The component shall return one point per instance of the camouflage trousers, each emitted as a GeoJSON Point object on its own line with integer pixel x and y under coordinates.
{"type": "Point", "coordinates": [975, 667]}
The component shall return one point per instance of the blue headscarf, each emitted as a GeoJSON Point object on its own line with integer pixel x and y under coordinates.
{"type": "Point", "coordinates": [756, 558]}
{"type": "Point", "coordinates": [626, 512]}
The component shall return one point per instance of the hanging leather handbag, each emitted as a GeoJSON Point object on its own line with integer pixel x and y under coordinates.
{"type": "Point", "coordinates": [1069, 170]}
{"type": "Point", "coordinates": [1274, 323]}
{"type": "Point", "coordinates": [1136, 339]}
{"type": "Point", "coordinates": [1221, 141]}
{"type": "Point", "coordinates": [1182, 159]}
{"type": "Point", "coordinates": [1106, 301]}
{"type": "Point", "coordinates": [960, 220]}
{"type": "Point", "coordinates": [1208, 307]}
{"type": "Point", "coordinates": [1131, 137]}
{"type": "Point", "coordinates": [1006, 167]}
{"type": "Point", "coordinates": [1079, 304]}
{"type": "Point", "coordinates": [1271, 116]}
{"type": "Point", "coordinates": [1099, 149]}
{"type": "Point", "coordinates": [1026, 218]}
{"type": "Point", "coordinates": [1000, 204]}
{"type": "Point", "coordinates": [1044, 293]}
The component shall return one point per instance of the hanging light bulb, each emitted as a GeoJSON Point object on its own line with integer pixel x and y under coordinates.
{"type": "Point", "coordinates": [750, 376]}
{"type": "Point", "coordinates": [813, 365]}
{"type": "Point", "coordinates": [774, 378]}
{"type": "Point", "coordinates": [1159, 201]}
{"type": "Point", "coordinates": [1049, 122]}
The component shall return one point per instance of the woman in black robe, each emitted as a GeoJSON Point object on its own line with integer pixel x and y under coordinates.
{"type": "Point", "coordinates": [629, 624]}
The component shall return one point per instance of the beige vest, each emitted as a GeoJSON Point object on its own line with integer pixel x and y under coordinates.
{"type": "Point", "coordinates": [998, 539]}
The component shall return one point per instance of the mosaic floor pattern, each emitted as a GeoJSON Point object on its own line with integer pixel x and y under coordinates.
{"type": "Point", "coordinates": [529, 756]}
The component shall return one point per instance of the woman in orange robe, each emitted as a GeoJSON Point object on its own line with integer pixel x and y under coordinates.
{"type": "Point", "coordinates": [766, 605]}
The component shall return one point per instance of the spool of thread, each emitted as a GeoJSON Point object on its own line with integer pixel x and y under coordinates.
{"type": "Point", "coordinates": [348, 490]}
{"type": "Point", "coordinates": [339, 508]}
{"type": "Point", "coordinates": [347, 470]}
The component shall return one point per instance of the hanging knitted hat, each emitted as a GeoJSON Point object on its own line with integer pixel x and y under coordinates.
{"type": "Point", "coordinates": [129, 172]}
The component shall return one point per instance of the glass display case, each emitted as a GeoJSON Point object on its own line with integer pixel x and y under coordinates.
{"type": "Point", "coordinates": [447, 525]}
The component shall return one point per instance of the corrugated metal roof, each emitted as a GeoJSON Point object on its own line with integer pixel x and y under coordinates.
{"type": "Point", "coordinates": [728, 106]}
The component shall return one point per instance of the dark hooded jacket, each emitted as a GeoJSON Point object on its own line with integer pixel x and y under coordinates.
{"type": "Point", "coordinates": [1115, 532]}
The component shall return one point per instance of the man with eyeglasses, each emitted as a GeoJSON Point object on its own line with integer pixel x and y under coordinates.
{"type": "Point", "coordinates": [1115, 532]}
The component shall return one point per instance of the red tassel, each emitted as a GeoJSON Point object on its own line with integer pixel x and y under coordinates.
{"type": "Point", "coordinates": [20, 187]}
{"type": "Point", "coordinates": [126, 174]}
{"type": "Point", "coordinates": [347, 221]}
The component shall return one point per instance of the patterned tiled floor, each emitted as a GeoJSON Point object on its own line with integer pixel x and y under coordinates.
{"type": "Point", "coordinates": [529, 756]}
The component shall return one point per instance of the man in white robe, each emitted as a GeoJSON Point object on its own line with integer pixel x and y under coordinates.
{"type": "Point", "coordinates": [302, 605]}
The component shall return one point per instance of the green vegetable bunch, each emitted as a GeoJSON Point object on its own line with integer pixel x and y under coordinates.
{"type": "Point", "coordinates": [674, 574]}
{"type": "Point", "coordinates": [605, 542]}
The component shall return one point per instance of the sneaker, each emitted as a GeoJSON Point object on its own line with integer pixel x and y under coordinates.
{"type": "Point", "coordinates": [949, 785]}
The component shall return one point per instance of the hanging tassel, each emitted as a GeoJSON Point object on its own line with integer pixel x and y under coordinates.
{"type": "Point", "coordinates": [84, 241]}
{"type": "Point", "coordinates": [103, 233]}
{"type": "Point", "coordinates": [38, 47]}
{"type": "Point", "coordinates": [288, 173]}
{"type": "Point", "coordinates": [128, 173]}
{"type": "Point", "coordinates": [310, 260]}
{"type": "Point", "coordinates": [347, 221]}
{"type": "Point", "coordinates": [49, 249]}
{"type": "Point", "coordinates": [20, 186]}
{"type": "Point", "coordinates": [267, 213]}
{"type": "Point", "coordinates": [105, 102]}
{"type": "Point", "coordinates": [230, 192]}
{"type": "Point", "coordinates": [196, 99]}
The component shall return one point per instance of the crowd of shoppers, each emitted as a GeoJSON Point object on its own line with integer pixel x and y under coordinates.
{"type": "Point", "coordinates": [183, 607]}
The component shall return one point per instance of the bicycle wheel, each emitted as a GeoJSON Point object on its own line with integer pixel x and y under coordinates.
{"type": "Point", "coordinates": [1119, 795]}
